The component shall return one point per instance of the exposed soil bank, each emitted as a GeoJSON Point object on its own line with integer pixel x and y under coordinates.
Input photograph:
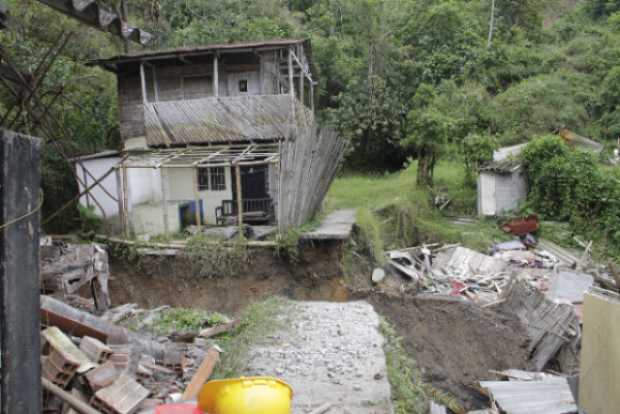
{"type": "Point", "coordinates": [455, 343]}
{"type": "Point", "coordinates": [156, 281]}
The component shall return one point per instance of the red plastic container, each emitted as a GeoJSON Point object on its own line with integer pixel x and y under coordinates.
{"type": "Point", "coordinates": [183, 408]}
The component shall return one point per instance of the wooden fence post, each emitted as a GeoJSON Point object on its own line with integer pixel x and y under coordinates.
{"type": "Point", "coordinates": [19, 274]}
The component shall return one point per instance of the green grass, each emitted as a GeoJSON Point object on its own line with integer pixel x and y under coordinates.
{"type": "Point", "coordinates": [257, 321]}
{"type": "Point", "coordinates": [185, 320]}
{"type": "Point", "coordinates": [408, 393]}
{"type": "Point", "coordinates": [393, 212]}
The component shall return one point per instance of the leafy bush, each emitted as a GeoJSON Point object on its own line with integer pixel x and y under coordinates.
{"type": "Point", "coordinates": [477, 150]}
{"type": "Point", "coordinates": [569, 185]}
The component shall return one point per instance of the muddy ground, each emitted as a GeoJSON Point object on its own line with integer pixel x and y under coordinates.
{"type": "Point", "coordinates": [454, 343]}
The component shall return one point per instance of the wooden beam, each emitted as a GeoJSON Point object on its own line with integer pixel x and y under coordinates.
{"type": "Point", "coordinates": [143, 83]}
{"type": "Point", "coordinates": [202, 375]}
{"type": "Point", "coordinates": [291, 84]}
{"type": "Point", "coordinates": [196, 198]}
{"type": "Point", "coordinates": [119, 196]}
{"type": "Point", "coordinates": [125, 202]}
{"type": "Point", "coordinates": [155, 84]}
{"type": "Point", "coordinates": [312, 96]}
{"type": "Point", "coordinates": [164, 200]}
{"type": "Point", "coordinates": [216, 76]}
{"type": "Point", "coordinates": [70, 399]}
{"type": "Point", "coordinates": [239, 198]}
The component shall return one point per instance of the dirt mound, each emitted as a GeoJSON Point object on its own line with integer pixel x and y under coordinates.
{"type": "Point", "coordinates": [455, 343]}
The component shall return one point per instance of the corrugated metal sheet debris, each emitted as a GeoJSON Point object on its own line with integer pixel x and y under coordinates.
{"type": "Point", "coordinates": [91, 13]}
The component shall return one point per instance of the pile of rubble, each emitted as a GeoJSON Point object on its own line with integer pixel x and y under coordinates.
{"type": "Point", "coordinates": [541, 284]}
{"type": "Point", "coordinates": [92, 364]}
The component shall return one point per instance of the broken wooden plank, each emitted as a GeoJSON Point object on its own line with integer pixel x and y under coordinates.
{"type": "Point", "coordinates": [72, 400]}
{"type": "Point", "coordinates": [322, 409]}
{"type": "Point", "coordinates": [202, 375]}
{"type": "Point", "coordinates": [549, 325]}
{"type": "Point", "coordinates": [219, 329]}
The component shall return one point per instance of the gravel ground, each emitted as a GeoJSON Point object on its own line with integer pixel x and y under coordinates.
{"type": "Point", "coordinates": [328, 353]}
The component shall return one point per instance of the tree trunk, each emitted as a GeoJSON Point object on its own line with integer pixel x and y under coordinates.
{"type": "Point", "coordinates": [426, 166]}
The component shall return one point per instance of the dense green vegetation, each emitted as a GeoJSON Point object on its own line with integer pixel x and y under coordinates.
{"type": "Point", "coordinates": [436, 81]}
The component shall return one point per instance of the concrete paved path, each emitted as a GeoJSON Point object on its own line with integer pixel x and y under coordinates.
{"type": "Point", "coordinates": [335, 226]}
{"type": "Point", "coordinates": [329, 353]}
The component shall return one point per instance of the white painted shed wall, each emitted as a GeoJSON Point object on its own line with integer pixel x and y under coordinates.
{"type": "Point", "coordinates": [500, 193]}
{"type": "Point", "coordinates": [146, 214]}
{"type": "Point", "coordinates": [97, 168]}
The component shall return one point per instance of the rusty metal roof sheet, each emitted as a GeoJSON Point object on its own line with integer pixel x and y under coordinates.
{"type": "Point", "coordinates": [198, 50]}
{"type": "Point", "coordinates": [91, 13]}
{"type": "Point", "coordinates": [218, 120]}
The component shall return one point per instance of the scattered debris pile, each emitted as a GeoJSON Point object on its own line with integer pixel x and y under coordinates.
{"type": "Point", "coordinates": [67, 269]}
{"type": "Point", "coordinates": [540, 284]}
{"type": "Point", "coordinates": [92, 365]}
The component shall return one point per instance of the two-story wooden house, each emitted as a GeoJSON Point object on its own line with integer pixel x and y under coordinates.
{"type": "Point", "coordinates": [213, 135]}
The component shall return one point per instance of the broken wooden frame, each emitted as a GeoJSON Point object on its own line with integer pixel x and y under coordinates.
{"type": "Point", "coordinates": [236, 156]}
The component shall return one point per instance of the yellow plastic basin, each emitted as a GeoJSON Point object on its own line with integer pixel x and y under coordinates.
{"type": "Point", "coordinates": [252, 395]}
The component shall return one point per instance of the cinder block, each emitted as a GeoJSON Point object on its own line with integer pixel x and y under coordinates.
{"type": "Point", "coordinates": [102, 376]}
{"type": "Point", "coordinates": [96, 350]}
{"type": "Point", "coordinates": [124, 396]}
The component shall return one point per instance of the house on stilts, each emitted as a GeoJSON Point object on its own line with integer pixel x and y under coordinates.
{"type": "Point", "coordinates": [216, 135]}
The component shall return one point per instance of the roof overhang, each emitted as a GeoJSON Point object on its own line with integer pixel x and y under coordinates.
{"type": "Point", "coordinates": [200, 157]}
{"type": "Point", "coordinates": [115, 64]}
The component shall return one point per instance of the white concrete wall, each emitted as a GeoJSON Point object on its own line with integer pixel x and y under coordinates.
{"type": "Point", "coordinates": [97, 168]}
{"type": "Point", "coordinates": [147, 214]}
{"type": "Point", "coordinates": [500, 193]}
{"type": "Point", "coordinates": [144, 193]}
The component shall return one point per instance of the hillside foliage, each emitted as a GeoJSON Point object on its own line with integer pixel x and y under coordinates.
{"type": "Point", "coordinates": [423, 79]}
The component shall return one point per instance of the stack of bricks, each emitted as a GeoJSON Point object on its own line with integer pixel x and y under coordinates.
{"type": "Point", "coordinates": [120, 356]}
{"type": "Point", "coordinates": [95, 350]}
{"type": "Point", "coordinates": [175, 361]}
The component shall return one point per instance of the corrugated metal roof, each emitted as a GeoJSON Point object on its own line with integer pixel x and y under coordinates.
{"type": "Point", "coordinates": [91, 13]}
{"type": "Point", "coordinates": [549, 396]}
{"type": "Point", "coordinates": [172, 53]}
{"type": "Point", "coordinates": [219, 120]}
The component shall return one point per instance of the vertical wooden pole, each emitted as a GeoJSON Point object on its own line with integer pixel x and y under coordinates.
{"type": "Point", "coordinates": [311, 95]}
{"type": "Point", "coordinates": [85, 178]}
{"type": "Point", "coordinates": [301, 79]}
{"type": "Point", "coordinates": [239, 196]}
{"type": "Point", "coordinates": [125, 202]}
{"type": "Point", "coordinates": [197, 197]}
{"type": "Point", "coordinates": [216, 76]}
{"type": "Point", "coordinates": [143, 83]}
{"type": "Point", "coordinates": [119, 196]}
{"type": "Point", "coordinates": [155, 84]}
{"type": "Point", "coordinates": [291, 83]}
{"type": "Point", "coordinates": [164, 199]}
{"type": "Point", "coordinates": [20, 348]}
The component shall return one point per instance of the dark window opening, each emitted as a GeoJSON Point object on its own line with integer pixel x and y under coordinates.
{"type": "Point", "coordinates": [218, 179]}
{"type": "Point", "coordinates": [203, 179]}
{"type": "Point", "coordinates": [243, 85]}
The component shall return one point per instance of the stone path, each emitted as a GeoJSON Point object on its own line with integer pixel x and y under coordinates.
{"type": "Point", "coordinates": [328, 353]}
{"type": "Point", "coordinates": [336, 226]}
